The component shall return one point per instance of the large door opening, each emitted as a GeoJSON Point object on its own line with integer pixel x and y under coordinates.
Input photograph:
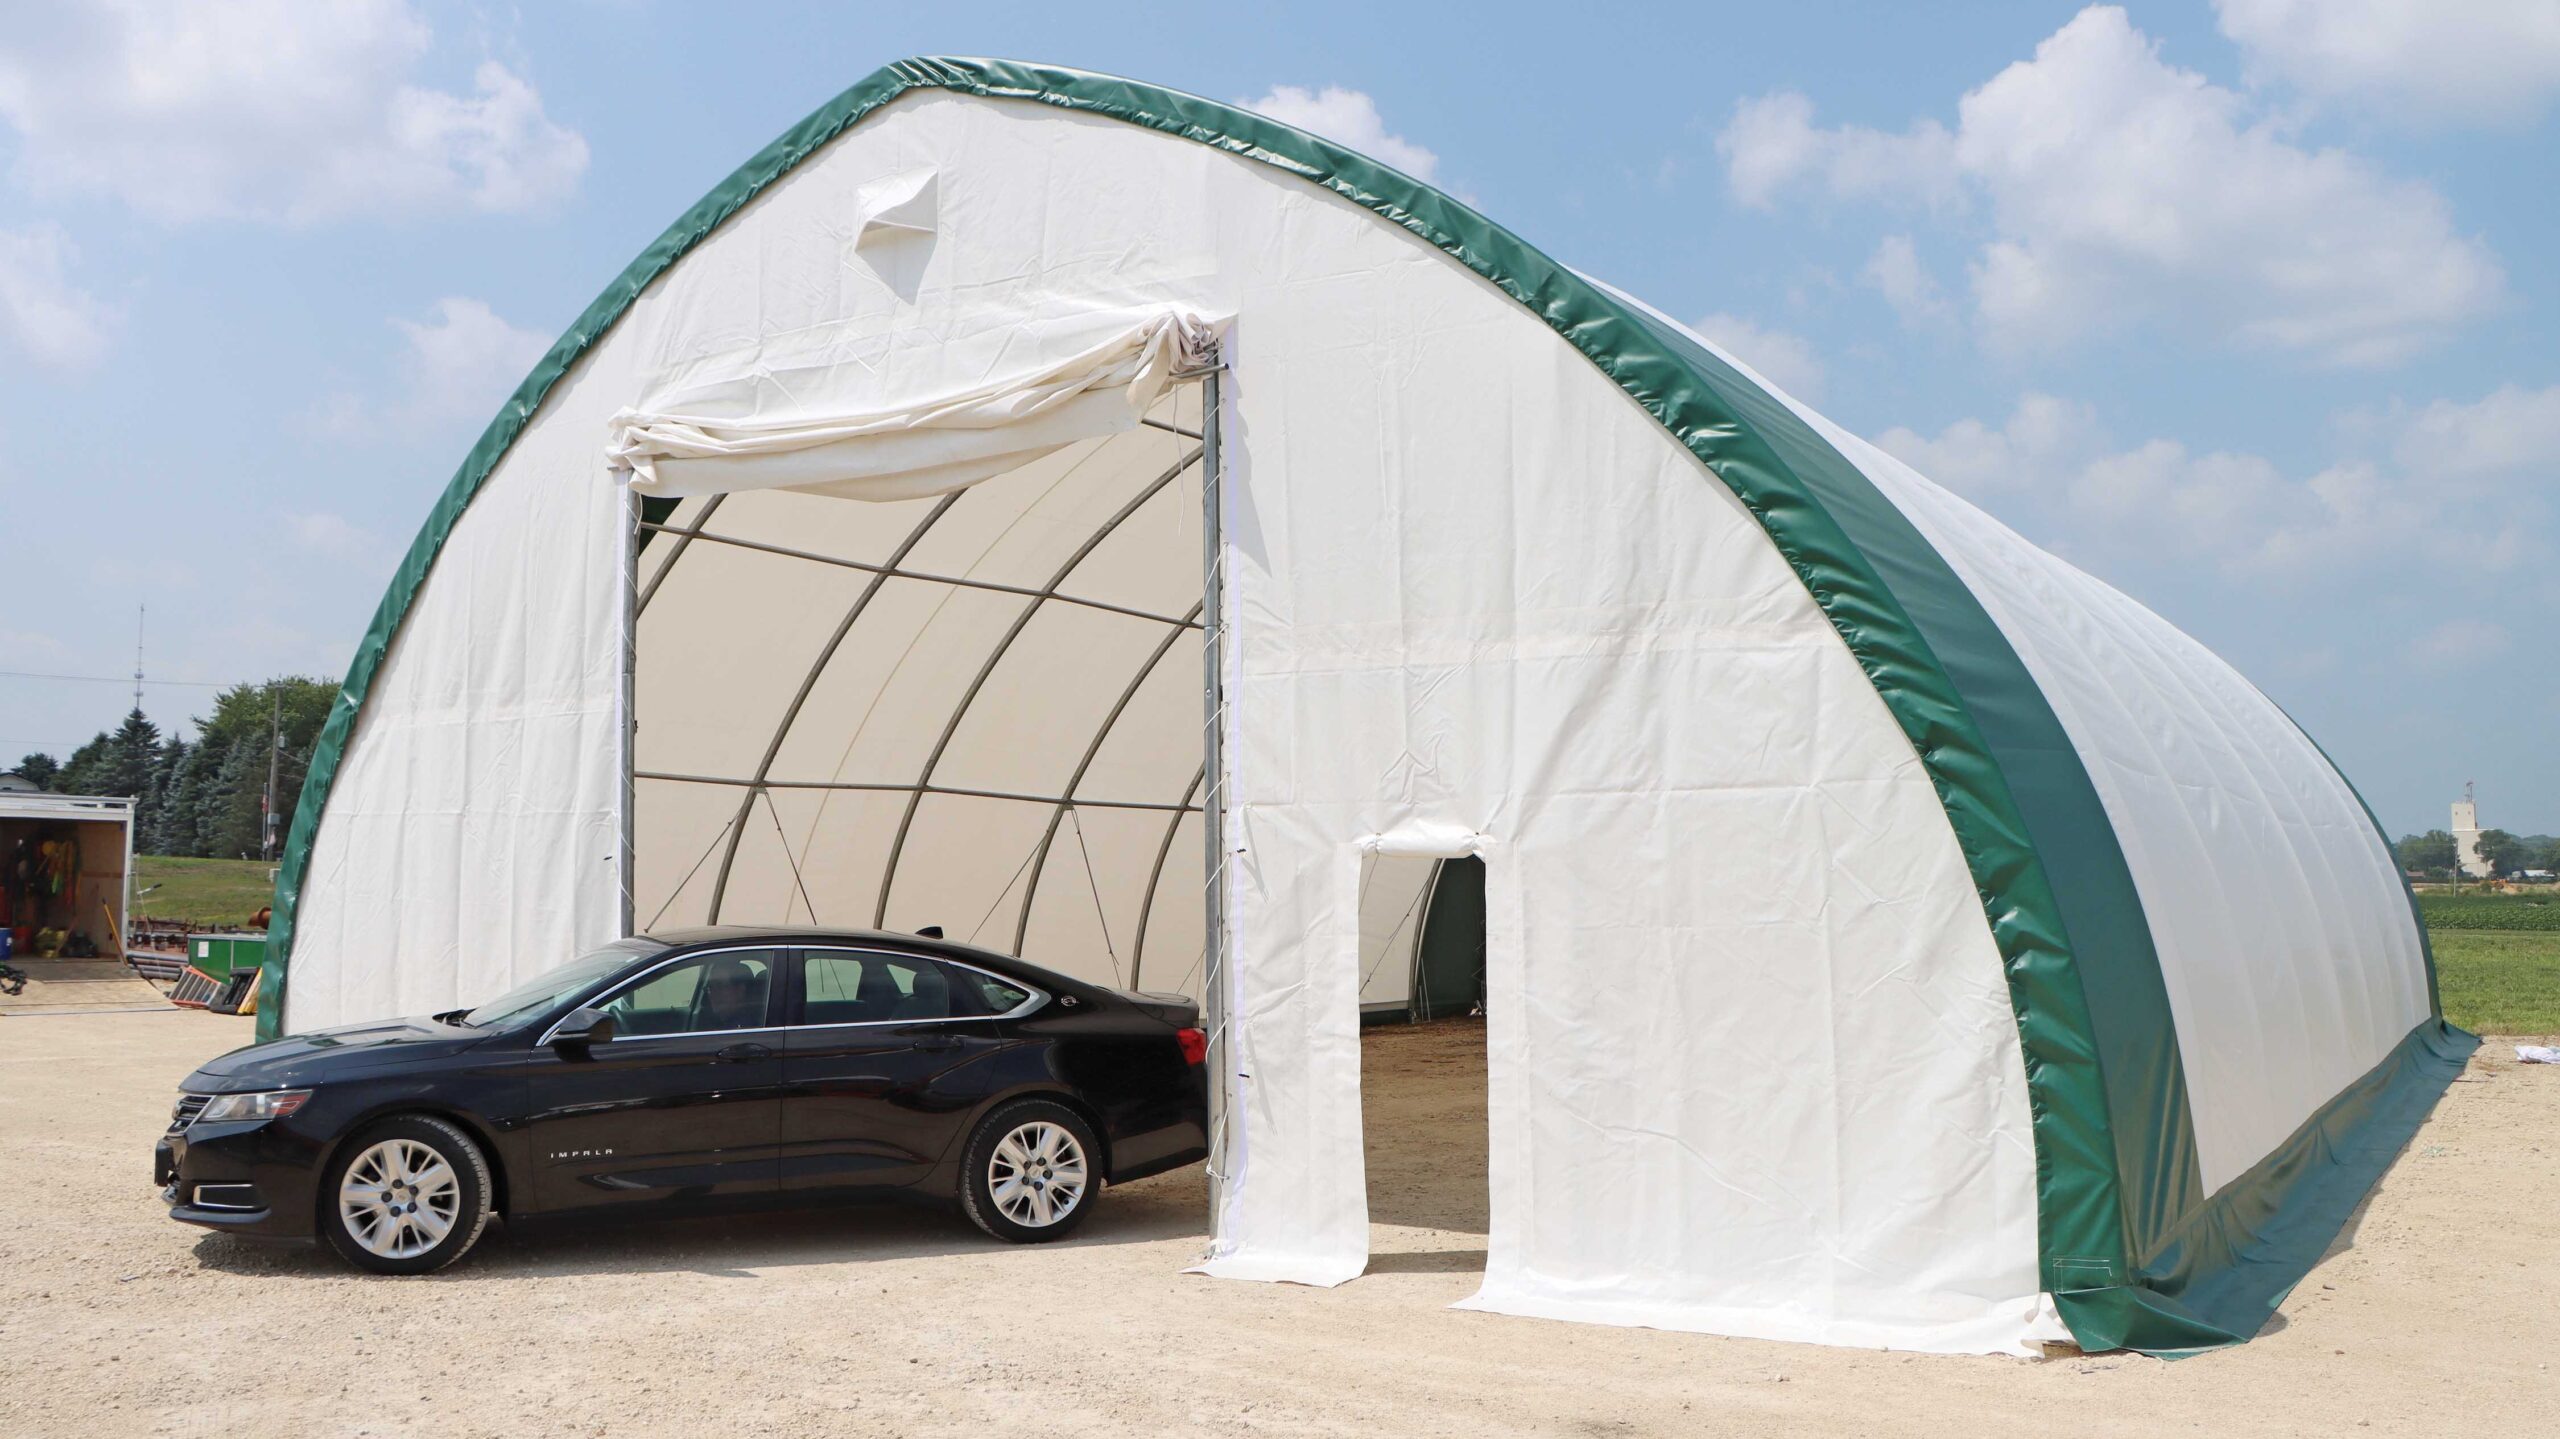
{"type": "Point", "coordinates": [980, 710]}
{"type": "Point", "coordinates": [1423, 1064]}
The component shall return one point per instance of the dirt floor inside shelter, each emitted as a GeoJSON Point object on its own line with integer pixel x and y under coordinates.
{"type": "Point", "coordinates": [2433, 1313]}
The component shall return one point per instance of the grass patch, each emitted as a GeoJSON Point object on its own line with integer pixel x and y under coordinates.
{"type": "Point", "coordinates": [205, 891]}
{"type": "Point", "coordinates": [2499, 981]}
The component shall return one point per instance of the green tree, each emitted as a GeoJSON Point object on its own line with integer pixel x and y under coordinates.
{"type": "Point", "coordinates": [229, 812]}
{"type": "Point", "coordinates": [182, 818]}
{"type": "Point", "coordinates": [39, 770]}
{"type": "Point", "coordinates": [131, 753]}
{"type": "Point", "coordinates": [2431, 852]}
{"type": "Point", "coordinates": [248, 716]}
{"type": "Point", "coordinates": [2503, 851]}
{"type": "Point", "coordinates": [166, 829]}
{"type": "Point", "coordinates": [86, 772]}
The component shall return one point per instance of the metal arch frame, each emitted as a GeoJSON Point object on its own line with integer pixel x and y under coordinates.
{"type": "Point", "coordinates": [1155, 873]}
{"type": "Point", "coordinates": [960, 711]}
{"type": "Point", "coordinates": [684, 536]}
{"type": "Point", "coordinates": [1067, 795]}
{"type": "Point", "coordinates": [886, 787]}
{"type": "Point", "coordinates": [882, 572]}
{"type": "Point", "coordinates": [808, 684]}
{"type": "Point", "coordinates": [892, 571]}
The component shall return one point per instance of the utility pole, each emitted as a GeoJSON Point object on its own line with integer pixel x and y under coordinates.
{"type": "Point", "coordinates": [275, 757]}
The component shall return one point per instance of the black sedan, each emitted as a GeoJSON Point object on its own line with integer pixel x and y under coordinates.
{"type": "Point", "coordinates": [705, 1066]}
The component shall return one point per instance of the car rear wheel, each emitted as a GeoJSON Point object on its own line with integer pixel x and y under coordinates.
{"type": "Point", "coordinates": [1031, 1172]}
{"type": "Point", "coordinates": [408, 1196]}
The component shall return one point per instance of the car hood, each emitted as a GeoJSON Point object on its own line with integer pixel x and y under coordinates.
{"type": "Point", "coordinates": [322, 1053]}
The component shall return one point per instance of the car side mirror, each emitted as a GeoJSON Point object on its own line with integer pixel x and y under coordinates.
{"type": "Point", "coordinates": [582, 1027]}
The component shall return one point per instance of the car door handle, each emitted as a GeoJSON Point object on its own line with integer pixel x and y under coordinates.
{"type": "Point", "coordinates": [741, 1053]}
{"type": "Point", "coordinates": [936, 1041]}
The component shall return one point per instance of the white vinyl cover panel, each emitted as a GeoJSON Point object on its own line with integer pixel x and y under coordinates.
{"type": "Point", "coordinates": [2287, 948]}
{"type": "Point", "coordinates": [1753, 1064]}
{"type": "Point", "coordinates": [2289, 954]}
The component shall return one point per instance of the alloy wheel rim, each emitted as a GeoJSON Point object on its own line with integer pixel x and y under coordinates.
{"type": "Point", "coordinates": [399, 1199]}
{"type": "Point", "coordinates": [1037, 1174]}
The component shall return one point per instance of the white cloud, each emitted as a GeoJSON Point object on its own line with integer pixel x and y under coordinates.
{"type": "Point", "coordinates": [2492, 61]}
{"type": "Point", "coordinates": [41, 311]}
{"type": "Point", "coordinates": [2457, 644]}
{"type": "Point", "coordinates": [1348, 118]}
{"type": "Point", "coordinates": [1785, 360]}
{"type": "Point", "coordinates": [269, 109]}
{"type": "Point", "coordinates": [458, 366]}
{"type": "Point", "coordinates": [2510, 431]}
{"type": "Point", "coordinates": [1896, 272]}
{"type": "Point", "coordinates": [1771, 144]}
{"type": "Point", "coordinates": [2044, 441]}
{"type": "Point", "coordinates": [333, 537]}
{"type": "Point", "coordinates": [466, 360]}
{"type": "Point", "coordinates": [2117, 186]}
{"type": "Point", "coordinates": [2447, 507]}
{"type": "Point", "coordinates": [328, 533]}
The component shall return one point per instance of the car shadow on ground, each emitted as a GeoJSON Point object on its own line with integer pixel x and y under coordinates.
{"type": "Point", "coordinates": [737, 1244]}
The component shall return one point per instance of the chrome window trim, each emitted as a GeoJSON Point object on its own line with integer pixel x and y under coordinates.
{"type": "Point", "coordinates": [614, 988]}
{"type": "Point", "coordinates": [1038, 996]}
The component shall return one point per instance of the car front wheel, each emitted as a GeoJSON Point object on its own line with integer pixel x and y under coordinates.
{"type": "Point", "coordinates": [1030, 1172]}
{"type": "Point", "coordinates": [409, 1196]}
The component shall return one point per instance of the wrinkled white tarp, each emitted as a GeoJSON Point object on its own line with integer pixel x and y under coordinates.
{"type": "Point", "coordinates": [760, 432]}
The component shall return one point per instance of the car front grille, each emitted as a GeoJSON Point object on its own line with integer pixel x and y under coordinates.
{"type": "Point", "coordinates": [189, 1106]}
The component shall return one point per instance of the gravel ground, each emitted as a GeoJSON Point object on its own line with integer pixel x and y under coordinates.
{"type": "Point", "coordinates": [2434, 1313]}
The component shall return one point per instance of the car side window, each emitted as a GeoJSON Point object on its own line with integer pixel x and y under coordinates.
{"type": "Point", "coordinates": [725, 990]}
{"type": "Point", "coordinates": [868, 987]}
{"type": "Point", "coordinates": [993, 995]}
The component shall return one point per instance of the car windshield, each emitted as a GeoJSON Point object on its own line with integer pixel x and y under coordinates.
{"type": "Point", "coordinates": [541, 994]}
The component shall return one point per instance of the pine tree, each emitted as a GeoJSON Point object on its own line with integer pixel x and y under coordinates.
{"type": "Point", "coordinates": [39, 770]}
{"type": "Point", "coordinates": [86, 771]}
{"type": "Point", "coordinates": [131, 751]}
{"type": "Point", "coordinates": [162, 831]}
{"type": "Point", "coordinates": [229, 813]}
{"type": "Point", "coordinates": [182, 824]}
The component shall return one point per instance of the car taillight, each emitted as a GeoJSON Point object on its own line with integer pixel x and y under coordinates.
{"type": "Point", "coordinates": [1195, 1045]}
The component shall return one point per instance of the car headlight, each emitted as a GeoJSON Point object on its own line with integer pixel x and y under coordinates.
{"type": "Point", "coordinates": [265, 1104]}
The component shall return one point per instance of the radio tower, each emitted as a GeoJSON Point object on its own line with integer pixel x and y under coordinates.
{"type": "Point", "coordinates": [140, 613]}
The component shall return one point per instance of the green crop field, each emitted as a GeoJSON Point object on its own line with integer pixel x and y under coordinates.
{"type": "Point", "coordinates": [202, 891]}
{"type": "Point", "coordinates": [2537, 910]}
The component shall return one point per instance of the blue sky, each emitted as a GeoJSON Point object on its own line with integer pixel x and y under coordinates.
{"type": "Point", "coordinates": [2246, 308]}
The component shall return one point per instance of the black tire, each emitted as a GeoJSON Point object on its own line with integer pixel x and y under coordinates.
{"type": "Point", "coordinates": [394, 1240]}
{"type": "Point", "coordinates": [1014, 1213]}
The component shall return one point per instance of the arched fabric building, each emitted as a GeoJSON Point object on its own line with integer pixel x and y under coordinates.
{"type": "Point", "coordinates": [1891, 935]}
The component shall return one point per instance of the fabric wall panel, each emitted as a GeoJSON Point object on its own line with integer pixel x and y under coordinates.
{"type": "Point", "coordinates": [2291, 964]}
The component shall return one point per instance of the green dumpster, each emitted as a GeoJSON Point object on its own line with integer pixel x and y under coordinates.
{"type": "Point", "coordinates": [219, 954]}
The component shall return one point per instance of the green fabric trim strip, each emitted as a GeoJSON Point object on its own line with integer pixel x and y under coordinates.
{"type": "Point", "coordinates": [2228, 1263]}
